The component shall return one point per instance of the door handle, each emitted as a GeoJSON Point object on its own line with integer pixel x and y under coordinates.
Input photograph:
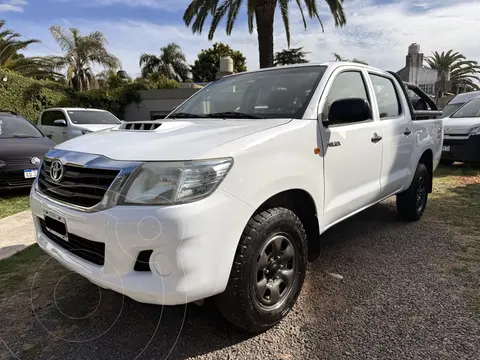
{"type": "Point", "coordinates": [407, 131]}
{"type": "Point", "coordinates": [376, 138]}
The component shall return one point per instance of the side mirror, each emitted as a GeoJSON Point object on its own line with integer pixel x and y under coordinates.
{"type": "Point", "coordinates": [349, 110]}
{"type": "Point", "coordinates": [60, 122]}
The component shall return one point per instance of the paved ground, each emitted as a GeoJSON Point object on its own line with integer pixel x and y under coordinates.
{"type": "Point", "coordinates": [400, 298]}
{"type": "Point", "coordinates": [16, 233]}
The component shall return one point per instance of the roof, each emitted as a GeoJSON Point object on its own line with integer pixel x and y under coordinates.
{"type": "Point", "coordinates": [464, 97]}
{"type": "Point", "coordinates": [74, 109]}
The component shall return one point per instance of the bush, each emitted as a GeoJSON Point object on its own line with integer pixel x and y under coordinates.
{"type": "Point", "coordinates": [27, 96]}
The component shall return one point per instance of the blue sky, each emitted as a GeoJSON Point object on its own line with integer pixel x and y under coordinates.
{"type": "Point", "coordinates": [378, 31]}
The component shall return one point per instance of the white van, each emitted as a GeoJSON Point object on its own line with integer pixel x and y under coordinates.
{"type": "Point", "coordinates": [61, 124]}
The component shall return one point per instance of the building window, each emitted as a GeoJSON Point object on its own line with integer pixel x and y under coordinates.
{"type": "Point", "coordinates": [428, 88]}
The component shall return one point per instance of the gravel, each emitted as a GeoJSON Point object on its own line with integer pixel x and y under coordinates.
{"type": "Point", "coordinates": [396, 301]}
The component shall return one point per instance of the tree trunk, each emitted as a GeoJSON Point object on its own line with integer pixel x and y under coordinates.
{"type": "Point", "coordinates": [264, 16]}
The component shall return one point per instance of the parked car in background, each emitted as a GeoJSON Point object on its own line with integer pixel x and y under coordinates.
{"type": "Point", "coordinates": [22, 147]}
{"type": "Point", "coordinates": [461, 140]}
{"type": "Point", "coordinates": [61, 124]}
{"type": "Point", "coordinates": [226, 196]}
{"type": "Point", "coordinates": [458, 101]}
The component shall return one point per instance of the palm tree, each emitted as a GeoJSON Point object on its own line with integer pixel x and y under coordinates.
{"type": "Point", "coordinates": [290, 57]}
{"type": "Point", "coordinates": [260, 11]}
{"type": "Point", "coordinates": [171, 63]}
{"type": "Point", "coordinates": [81, 54]}
{"type": "Point", "coordinates": [338, 57]}
{"type": "Point", "coordinates": [462, 71]}
{"type": "Point", "coordinates": [10, 58]}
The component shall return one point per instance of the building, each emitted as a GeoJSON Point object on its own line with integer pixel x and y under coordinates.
{"type": "Point", "coordinates": [414, 72]}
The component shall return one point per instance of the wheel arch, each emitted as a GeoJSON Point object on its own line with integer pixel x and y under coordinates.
{"type": "Point", "coordinates": [427, 160]}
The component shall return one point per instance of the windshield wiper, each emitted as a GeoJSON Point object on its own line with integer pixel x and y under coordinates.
{"type": "Point", "coordinates": [184, 115]}
{"type": "Point", "coordinates": [232, 115]}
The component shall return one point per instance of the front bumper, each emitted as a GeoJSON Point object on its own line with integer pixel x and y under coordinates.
{"type": "Point", "coordinates": [193, 246]}
{"type": "Point", "coordinates": [466, 149]}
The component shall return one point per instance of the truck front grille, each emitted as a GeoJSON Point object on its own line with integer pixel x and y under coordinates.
{"type": "Point", "coordinates": [80, 186]}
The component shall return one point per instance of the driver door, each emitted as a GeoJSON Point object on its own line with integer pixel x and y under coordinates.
{"type": "Point", "coordinates": [352, 150]}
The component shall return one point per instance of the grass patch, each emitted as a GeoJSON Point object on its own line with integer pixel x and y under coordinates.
{"type": "Point", "coordinates": [17, 268]}
{"type": "Point", "coordinates": [13, 203]}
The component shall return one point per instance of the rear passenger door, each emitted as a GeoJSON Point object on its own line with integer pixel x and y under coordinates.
{"type": "Point", "coordinates": [397, 130]}
{"type": "Point", "coordinates": [352, 152]}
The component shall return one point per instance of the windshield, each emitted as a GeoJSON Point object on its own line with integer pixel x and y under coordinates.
{"type": "Point", "coordinates": [279, 93]}
{"type": "Point", "coordinates": [92, 117]}
{"type": "Point", "coordinates": [450, 109]}
{"type": "Point", "coordinates": [470, 109]}
{"type": "Point", "coordinates": [14, 126]}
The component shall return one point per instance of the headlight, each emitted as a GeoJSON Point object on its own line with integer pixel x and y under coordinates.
{"type": "Point", "coordinates": [166, 183]}
{"type": "Point", "coordinates": [475, 131]}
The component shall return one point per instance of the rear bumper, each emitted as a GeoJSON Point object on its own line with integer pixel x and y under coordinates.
{"type": "Point", "coordinates": [464, 150]}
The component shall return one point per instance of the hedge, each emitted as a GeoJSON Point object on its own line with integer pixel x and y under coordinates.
{"type": "Point", "coordinates": [29, 97]}
{"type": "Point", "coordinates": [26, 96]}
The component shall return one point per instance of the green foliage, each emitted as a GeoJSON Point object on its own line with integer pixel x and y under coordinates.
{"type": "Point", "coordinates": [207, 65]}
{"type": "Point", "coordinates": [156, 81]}
{"type": "Point", "coordinates": [338, 57]}
{"type": "Point", "coordinates": [171, 63]}
{"type": "Point", "coordinates": [463, 72]}
{"type": "Point", "coordinates": [28, 96]}
{"type": "Point", "coordinates": [290, 57]}
{"type": "Point", "coordinates": [110, 79]}
{"type": "Point", "coordinates": [260, 12]}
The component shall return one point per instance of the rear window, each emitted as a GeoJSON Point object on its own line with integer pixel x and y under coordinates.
{"type": "Point", "coordinates": [17, 127]}
{"type": "Point", "coordinates": [82, 117]}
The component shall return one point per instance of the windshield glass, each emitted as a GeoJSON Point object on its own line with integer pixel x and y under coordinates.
{"type": "Point", "coordinates": [14, 126]}
{"type": "Point", "coordinates": [450, 109]}
{"type": "Point", "coordinates": [470, 109]}
{"type": "Point", "coordinates": [279, 93]}
{"type": "Point", "coordinates": [92, 117]}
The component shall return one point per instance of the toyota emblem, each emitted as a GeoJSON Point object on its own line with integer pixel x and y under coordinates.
{"type": "Point", "coordinates": [35, 161]}
{"type": "Point", "coordinates": [56, 170]}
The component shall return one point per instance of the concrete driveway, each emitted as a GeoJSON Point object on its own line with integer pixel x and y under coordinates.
{"type": "Point", "coordinates": [16, 233]}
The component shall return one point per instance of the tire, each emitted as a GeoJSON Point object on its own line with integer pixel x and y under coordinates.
{"type": "Point", "coordinates": [247, 301]}
{"type": "Point", "coordinates": [412, 203]}
{"type": "Point", "coordinates": [447, 162]}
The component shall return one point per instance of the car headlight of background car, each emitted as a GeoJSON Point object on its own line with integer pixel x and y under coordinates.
{"type": "Point", "coordinates": [475, 131]}
{"type": "Point", "coordinates": [166, 183]}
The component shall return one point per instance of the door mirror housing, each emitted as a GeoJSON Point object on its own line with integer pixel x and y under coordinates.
{"type": "Point", "coordinates": [349, 110]}
{"type": "Point", "coordinates": [60, 122]}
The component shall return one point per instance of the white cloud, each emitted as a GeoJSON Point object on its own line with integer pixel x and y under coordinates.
{"type": "Point", "coordinates": [167, 5]}
{"type": "Point", "coordinates": [379, 34]}
{"type": "Point", "coordinates": [13, 5]}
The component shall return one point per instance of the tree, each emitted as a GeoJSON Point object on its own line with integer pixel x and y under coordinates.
{"type": "Point", "coordinates": [81, 54]}
{"type": "Point", "coordinates": [290, 57]}
{"type": "Point", "coordinates": [463, 72]}
{"type": "Point", "coordinates": [111, 79]}
{"type": "Point", "coordinates": [260, 11]}
{"type": "Point", "coordinates": [338, 57]}
{"type": "Point", "coordinates": [11, 59]}
{"type": "Point", "coordinates": [207, 65]}
{"type": "Point", "coordinates": [171, 63]}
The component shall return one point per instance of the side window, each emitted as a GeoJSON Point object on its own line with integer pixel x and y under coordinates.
{"type": "Point", "coordinates": [348, 84]}
{"type": "Point", "coordinates": [47, 119]}
{"type": "Point", "coordinates": [58, 115]}
{"type": "Point", "coordinates": [387, 97]}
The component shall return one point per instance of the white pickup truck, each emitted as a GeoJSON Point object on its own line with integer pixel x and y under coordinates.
{"type": "Point", "coordinates": [226, 196]}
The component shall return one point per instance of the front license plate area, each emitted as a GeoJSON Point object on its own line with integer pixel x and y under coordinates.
{"type": "Point", "coordinates": [30, 174]}
{"type": "Point", "coordinates": [446, 148]}
{"type": "Point", "coordinates": [56, 224]}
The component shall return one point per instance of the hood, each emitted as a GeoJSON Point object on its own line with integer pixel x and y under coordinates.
{"type": "Point", "coordinates": [24, 148]}
{"type": "Point", "coordinates": [460, 125]}
{"type": "Point", "coordinates": [95, 127]}
{"type": "Point", "coordinates": [172, 140]}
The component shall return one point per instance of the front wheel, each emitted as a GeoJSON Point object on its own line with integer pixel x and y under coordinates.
{"type": "Point", "coordinates": [268, 271]}
{"type": "Point", "coordinates": [412, 203]}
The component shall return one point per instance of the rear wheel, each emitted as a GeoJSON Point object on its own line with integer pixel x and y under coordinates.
{"type": "Point", "coordinates": [412, 203]}
{"type": "Point", "coordinates": [268, 271]}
